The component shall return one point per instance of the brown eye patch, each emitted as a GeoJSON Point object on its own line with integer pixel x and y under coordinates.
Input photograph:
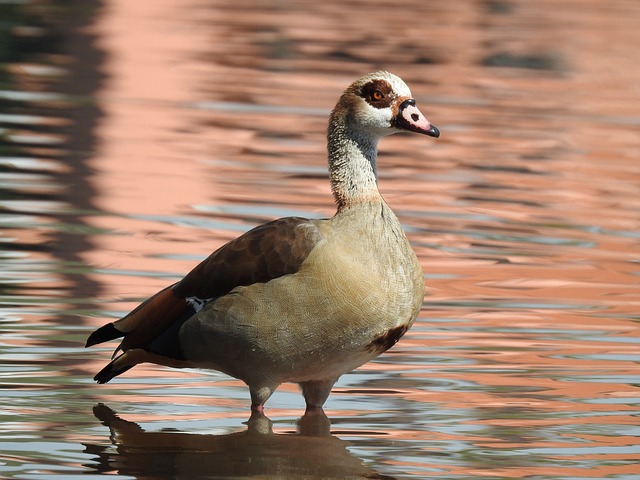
{"type": "Point", "coordinates": [377, 93]}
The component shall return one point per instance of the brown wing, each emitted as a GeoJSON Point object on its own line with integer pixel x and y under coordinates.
{"type": "Point", "coordinates": [266, 252]}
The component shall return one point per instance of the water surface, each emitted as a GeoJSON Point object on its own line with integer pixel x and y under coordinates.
{"type": "Point", "coordinates": [139, 136]}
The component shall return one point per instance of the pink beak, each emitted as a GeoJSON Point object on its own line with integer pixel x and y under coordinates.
{"type": "Point", "coordinates": [411, 118]}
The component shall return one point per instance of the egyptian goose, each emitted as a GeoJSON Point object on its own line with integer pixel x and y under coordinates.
{"type": "Point", "coordinates": [296, 300]}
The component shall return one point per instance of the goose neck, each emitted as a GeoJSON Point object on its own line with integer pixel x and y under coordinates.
{"type": "Point", "coordinates": [352, 164]}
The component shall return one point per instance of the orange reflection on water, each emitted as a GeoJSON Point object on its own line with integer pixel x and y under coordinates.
{"type": "Point", "coordinates": [517, 225]}
{"type": "Point", "coordinates": [524, 215]}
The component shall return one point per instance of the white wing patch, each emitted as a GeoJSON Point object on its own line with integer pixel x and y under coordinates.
{"type": "Point", "coordinates": [197, 303]}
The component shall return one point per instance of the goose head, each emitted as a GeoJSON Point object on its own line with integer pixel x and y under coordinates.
{"type": "Point", "coordinates": [380, 104]}
{"type": "Point", "coordinates": [372, 107]}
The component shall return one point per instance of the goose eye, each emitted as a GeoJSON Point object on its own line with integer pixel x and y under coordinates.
{"type": "Point", "coordinates": [377, 95]}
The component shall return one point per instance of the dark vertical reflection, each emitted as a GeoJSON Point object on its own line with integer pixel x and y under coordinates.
{"type": "Point", "coordinates": [50, 73]}
{"type": "Point", "coordinates": [84, 80]}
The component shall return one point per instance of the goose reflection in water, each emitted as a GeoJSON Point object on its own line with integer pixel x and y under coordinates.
{"type": "Point", "coordinates": [312, 452]}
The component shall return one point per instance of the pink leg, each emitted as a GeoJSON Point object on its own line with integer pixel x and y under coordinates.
{"type": "Point", "coordinates": [313, 410]}
{"type": "Point", "coordinates": [315, 393]}
{"type": "Point", "coordinates": [260, 395]}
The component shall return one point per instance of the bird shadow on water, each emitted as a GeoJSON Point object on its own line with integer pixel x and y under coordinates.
{"type": "Point", "coordinates": [311, 452]}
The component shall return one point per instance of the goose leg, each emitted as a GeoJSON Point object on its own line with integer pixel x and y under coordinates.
{"type": "Point", "coordinates": [315, 393]}
{"type": "Point", "coordinates": [259, 396]}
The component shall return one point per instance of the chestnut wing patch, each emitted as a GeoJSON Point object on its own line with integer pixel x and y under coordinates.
{"type": "Point", "coordinates": [386, 340]}
{"type": "Point", "coordinates": [266, 252]}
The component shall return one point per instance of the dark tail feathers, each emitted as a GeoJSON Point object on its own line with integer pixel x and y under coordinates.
{"type": "Point", "coordinates": [111, 371]}
{"type": "Point", "coordinates": [104, 334]}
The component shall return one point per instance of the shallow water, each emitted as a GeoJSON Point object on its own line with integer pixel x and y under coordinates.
{"type": "Point", "coordinates": [139, 136]}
